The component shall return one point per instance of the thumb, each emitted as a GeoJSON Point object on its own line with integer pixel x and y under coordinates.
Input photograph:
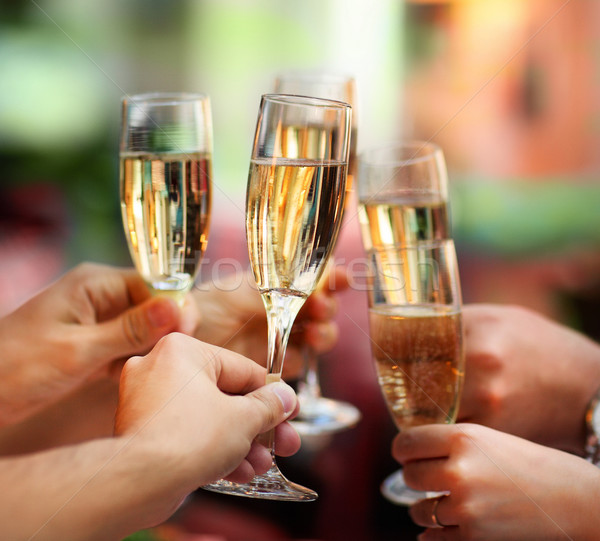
{"type": "Point", "coordinates": [136, 330]}
{"type": "Point", "coordinates": [273, 404]}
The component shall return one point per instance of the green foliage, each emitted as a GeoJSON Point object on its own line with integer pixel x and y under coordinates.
{"type": "Point", "coordinates": [143, 535]}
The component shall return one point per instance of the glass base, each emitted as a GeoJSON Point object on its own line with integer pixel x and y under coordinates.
{"type": "Point", "coordinates": [269, 486]}
{"type": "Point", "coordinates": [395, 490]}
{"type": "Point", "coordinates": [324, 416]}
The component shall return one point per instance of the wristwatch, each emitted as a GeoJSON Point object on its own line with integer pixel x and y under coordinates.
{"type": "Point", "coordinates": [592, 422]}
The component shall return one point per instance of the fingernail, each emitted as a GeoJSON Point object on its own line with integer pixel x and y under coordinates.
{"type": "Point", "coordinates": [161, 312]}
{"type": "Point", "coordinates": [287, 396]}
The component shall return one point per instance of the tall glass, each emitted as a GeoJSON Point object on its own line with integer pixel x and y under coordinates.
{"type": "Point", "coordinates": [318, 414]}
{"type": "Point", "coordinates": [415, 302]}
{"type": "Point", "coordinates": [165, 186]}
{"type": "Point", "coordinates": [294, 205]}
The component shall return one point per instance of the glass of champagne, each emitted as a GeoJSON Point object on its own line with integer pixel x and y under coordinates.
{"type": "Point", "coordinates": [294, 206]}
{"type": "Point", "coordinates": [318, 414]}
{"type": "Point", "coordinates": [165, 186]}
{"type": "Point", "coordinates": [415, 302]}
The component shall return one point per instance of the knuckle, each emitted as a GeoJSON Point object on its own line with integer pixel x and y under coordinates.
{"type": "Point", "coordinates": [131, 366]}
{"type": "Point", "coordinates": [135, 329]}
{"type": "Point", "coordinates": [171, 343]}
{"type": "Point", "coordinates": [495, 398]}
{"type": "Point", "coordinates": [463, 438]}
{"type": "Point", "coordinates": [459, 471]}
{"type": "Point", "coordinates": [83, 270]}
{"type": "Point", "coordinates": [86, 271]}
{"type": "Point", "coordinates": [88, 267]}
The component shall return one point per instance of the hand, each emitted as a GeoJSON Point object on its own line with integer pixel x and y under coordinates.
{"type": "Point", "coordinates": [501, 487]}
{"type": "Point", "coordinates": [203, 406]}
{"type": "Point", "coordinates": [233, 316]}
{"type": "Point", "coordinates": [527, 375]}
{"type": "Point", "coordinates": [74, 330]}
{"type": "Point", "coordinates": [188, 414]}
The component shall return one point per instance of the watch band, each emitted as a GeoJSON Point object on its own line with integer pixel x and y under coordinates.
{"type": "Point", "coordinates": [592, 422]}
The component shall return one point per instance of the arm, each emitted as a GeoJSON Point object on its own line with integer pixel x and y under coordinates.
{"type": "Point", "coordinates": [188, 414]}
{"type": "Point", "coordinates": [518, 361]}
{"type": "Point", "coordinates": [85, 414]}
{"type": "Point", "coordinates": [501, 487]}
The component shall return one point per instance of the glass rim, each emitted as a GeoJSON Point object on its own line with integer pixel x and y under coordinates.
{"type": "Point", "coordinates": [301, 100]}
{"type": "Point", "coordinates": [421, 246]}
{"type": "Point", "coordinates": [164, 98]}
{"type": "Point", "coordinates": [366, 156]}
{"type": "Point", "coordinates": [454, 308]}
{"type": "Point", "coordinates": [316, 76]}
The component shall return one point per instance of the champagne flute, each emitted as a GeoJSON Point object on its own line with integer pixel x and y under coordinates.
{"type": "Point", "coordinates": [294, 205]}
{"type": "Point", "coordinates": [320, 415]}
{"type": "Point", "coordinates": [165, 186]}
{"type": "Point", "coordinates": [415, 301]}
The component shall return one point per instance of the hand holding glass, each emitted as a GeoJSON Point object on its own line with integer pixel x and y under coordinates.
{"type": "Point", "coordinates": [414, 295]}
{"type": "Point", "coordinates": [320, 415]}
{"type": "Point", "coordinates": [294, 204]}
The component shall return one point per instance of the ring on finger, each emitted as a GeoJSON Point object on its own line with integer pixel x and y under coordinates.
{"type": "Point", "coordinates": [434, 517]}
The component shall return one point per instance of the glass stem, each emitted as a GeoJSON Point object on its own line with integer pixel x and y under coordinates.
{"type": "Point", "coordinates": [281, 312]}
{"type": "Point", "coordinates": [310, 388]}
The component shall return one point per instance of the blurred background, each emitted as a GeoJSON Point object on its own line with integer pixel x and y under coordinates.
{"type": "Point", "coordinates": [509, 89]}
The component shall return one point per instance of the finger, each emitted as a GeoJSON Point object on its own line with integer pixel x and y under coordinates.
{"type": "Point", "coordinates": [259, 457]}
{"type": "Point", "coordinates": [134, 331]}
{"type": "Point", "coordinates": [236, 374]}
{"type": "Point", "coordinates": [432, 512]}
{"type": "Point", "coordinates": [293, 367]}
{"type": "Point", "coordinates": [190, 317]}
{"type": "Point", "coordinates": [426, 475]}
{"type": "Point", "coordinates": [321, 337]}
{"type": "Point", "coordinates": [320, 307]}
{"type": "Point", "coordinates": [451, 533]}
{"type": "Point", "coordinates": [269, 406]}
{"type": "Point", "coordinates": [287, 440]}
{"type": "Point", "coordinates": [259, 460]}
{"type": "Point", "coordinates": [338, 279]}
{"type": "Point", "coordinates": [110, 290]}
{"type": "Point", "coordinates": [242, 474]}
{"type": "Point", "coordinates": [471, 405]}
{"type": "Point", "coordinates": [233, 373]}
{"type": "Point", "coordinates": [421, 442]}
{"type": "Point", "coordinates": [136, 286]}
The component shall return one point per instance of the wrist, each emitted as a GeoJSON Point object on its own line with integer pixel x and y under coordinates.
{"type": "Point", "coordinates": [147, 483]}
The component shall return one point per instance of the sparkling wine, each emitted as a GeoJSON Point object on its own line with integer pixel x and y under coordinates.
{"type": "Point", "coordinates": [352, 163]}
{"type": "Point", "coordinates": [165, 205]}
{"type": "Point", "coordinates": [418, 357]}
{"type": "Point", "coordinates": [404, 221]}
{"type": "Point", "coordinates": [294, 212]}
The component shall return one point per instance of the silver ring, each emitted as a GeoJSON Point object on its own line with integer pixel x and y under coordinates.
{"type": "Point", "coordinates": [434, 518]}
